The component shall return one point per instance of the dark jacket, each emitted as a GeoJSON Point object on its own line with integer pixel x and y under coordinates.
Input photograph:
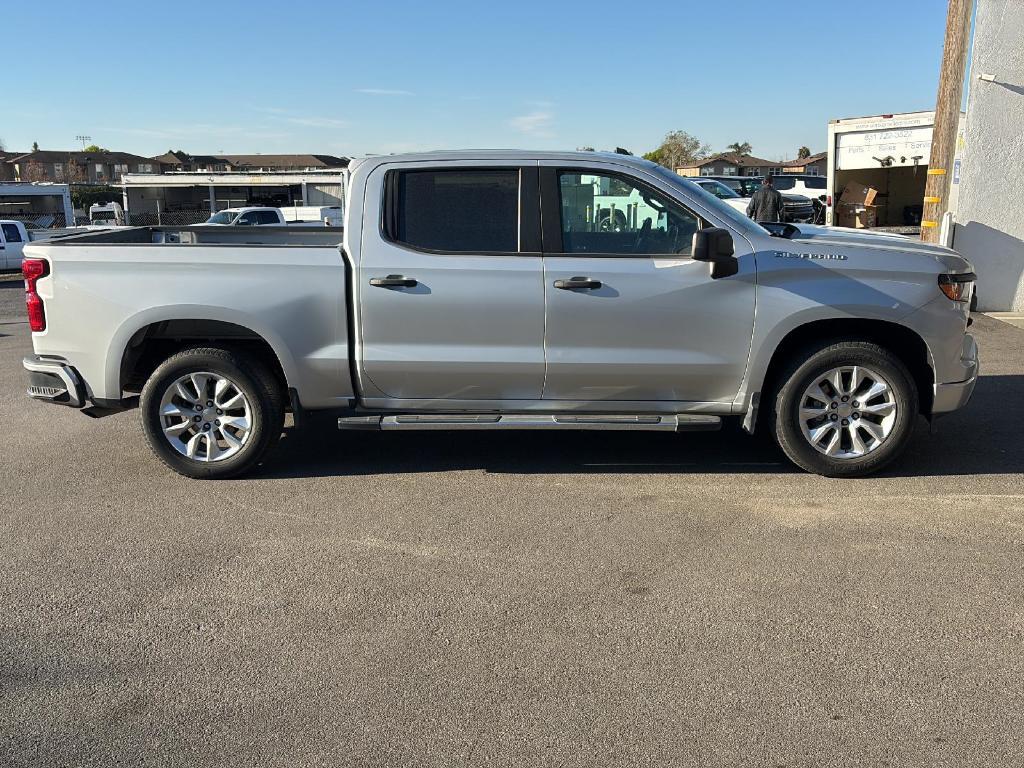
{"type": "Point", "coordinates": [765, 205]}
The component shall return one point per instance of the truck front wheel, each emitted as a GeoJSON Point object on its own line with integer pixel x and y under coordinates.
{"type": "Point", "coordinates": [845, 410]}
{"type": "Point", "coordinates": [211, 413]}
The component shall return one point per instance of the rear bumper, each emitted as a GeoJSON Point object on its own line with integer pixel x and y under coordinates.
{"type": "Point", "coordinates": [955, 395]}
{"type": "Point", "coordinates": [54, 381]}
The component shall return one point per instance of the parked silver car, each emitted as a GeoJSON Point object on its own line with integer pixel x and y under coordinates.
{"type": "Point", "coordinates": [506, 290]}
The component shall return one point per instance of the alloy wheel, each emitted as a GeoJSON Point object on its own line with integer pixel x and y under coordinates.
{"type": "Point", "coordinates": [847, 412]}
{"type": "Point", "coordinates": [205, 416]}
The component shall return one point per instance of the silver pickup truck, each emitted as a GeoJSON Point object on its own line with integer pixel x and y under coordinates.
{"type": "Point", "coordinates": [506, 290]}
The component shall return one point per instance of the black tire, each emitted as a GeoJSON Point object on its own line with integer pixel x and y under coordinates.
{"type": "Point", "coordinates": [260, 387]}
{"type": "Point", "coordinates": [813, 363]}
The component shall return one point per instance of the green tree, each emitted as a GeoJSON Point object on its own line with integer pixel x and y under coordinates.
{"type": "Point", "coordinates": [95, 148]}
{"type": "Point", "coordinates": [803, 152]}
{"type": "Point", "coordinates": [740, 147]}
{"type": "Point", "coordinates": [678, 149]}
{"type": "Point", "coordinates": [35, 146]}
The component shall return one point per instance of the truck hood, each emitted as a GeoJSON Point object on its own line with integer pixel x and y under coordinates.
{"type": "Point", "coordinates": [840, 238]}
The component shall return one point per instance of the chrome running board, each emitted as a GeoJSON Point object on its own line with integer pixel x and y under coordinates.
{"type": "Point", "coordinates": [457, 421]}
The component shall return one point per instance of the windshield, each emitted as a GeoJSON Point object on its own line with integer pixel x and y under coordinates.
{"type": "Point", "coordinates": [717, 188]}
{"type": "Point", "coordinates": [103, 216]}
{"type": "Point", "coordinates": [224, 217]}
{"type": "Point", "coordinates": [708, 200]}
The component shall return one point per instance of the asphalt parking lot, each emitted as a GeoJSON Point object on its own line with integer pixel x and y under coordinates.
{"type": "Point", "coordinates": [511, 599]}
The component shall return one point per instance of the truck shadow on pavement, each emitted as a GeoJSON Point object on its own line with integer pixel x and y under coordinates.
{"type": "Point", "coordinates": [979, 440]}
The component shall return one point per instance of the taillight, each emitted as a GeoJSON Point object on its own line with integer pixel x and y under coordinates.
{"type": "Point", "coordinates": [828, 201]}
{"type": "Point", "coordinates": [33, 269]}
{"type": "Point", "coordinates": [957, 287]}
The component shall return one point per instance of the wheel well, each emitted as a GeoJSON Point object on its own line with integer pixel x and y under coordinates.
{"type": "Point", "coordinates": [898, 339]}
{"type": "Point", "coordinates": [151, 345]}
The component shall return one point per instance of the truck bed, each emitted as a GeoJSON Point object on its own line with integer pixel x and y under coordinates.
{"type": "Point", "coordinates": [285, 286]}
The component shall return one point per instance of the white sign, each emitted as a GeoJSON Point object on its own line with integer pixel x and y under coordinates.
{"type": "Point", "coordinates": [881, 149]}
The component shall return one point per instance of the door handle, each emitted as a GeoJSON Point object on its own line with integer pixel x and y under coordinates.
{"type": "Point", "coordinates": [578, 283]}
{"type": "Point", "coordinates": [393, 281]}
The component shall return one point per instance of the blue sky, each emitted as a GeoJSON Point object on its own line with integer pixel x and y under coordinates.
{"type": "Point", "coordinates": [354, 78]}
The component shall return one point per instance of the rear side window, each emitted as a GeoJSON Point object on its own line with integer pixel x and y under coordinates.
{"type": "Point", "coordinates": [11, 233]}
{"type": "Point", "coordinates": [457, 211]}
{"type": "Point", "coordinates": [267, 217]}
{"type": "Point", "coordinates": [815, 182]}
{"type": "Point", "coordinates": [782, 182]}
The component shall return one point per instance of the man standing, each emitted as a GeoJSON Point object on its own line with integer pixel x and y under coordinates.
{"type": "Point", "coordinates": [766, 204]}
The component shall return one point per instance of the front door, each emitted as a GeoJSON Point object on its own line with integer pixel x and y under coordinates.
{"type": "Point", "coordinates": [450, 291]}
{"type": "Point", "coordinates": [630, 316]}
{"type": "Point", "coordinates": [11, 246]}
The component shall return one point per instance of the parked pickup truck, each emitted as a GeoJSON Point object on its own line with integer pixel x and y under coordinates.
{"type": "Point", "coordinates": [15, 235]}
{"type": "Point", "coordinates": [308, 215]}
{"type": "Point", "coordinates": [476, 290]}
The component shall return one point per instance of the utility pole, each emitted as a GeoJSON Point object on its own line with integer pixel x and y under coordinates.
{"type": "Point", "coordinates": [947, 117]}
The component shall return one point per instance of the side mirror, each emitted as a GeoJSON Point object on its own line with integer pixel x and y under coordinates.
{"type": "Point", "coordinates": [714, 245]}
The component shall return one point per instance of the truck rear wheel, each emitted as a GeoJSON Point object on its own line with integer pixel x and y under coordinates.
{"type": "Point", "coordinates": [845, 410]}
{"type": "Point", "coordinates": [210, 413]}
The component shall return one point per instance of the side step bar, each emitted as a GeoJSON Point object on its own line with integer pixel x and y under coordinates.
{"type": "Point", "coordinates": [443, 421]}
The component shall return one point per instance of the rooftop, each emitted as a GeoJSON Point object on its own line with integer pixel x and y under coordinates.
{"type": "Point", "coordinates": [735, 159]}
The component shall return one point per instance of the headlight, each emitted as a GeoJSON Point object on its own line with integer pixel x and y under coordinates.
{"type": "Point", "coordinates": [957, 287]}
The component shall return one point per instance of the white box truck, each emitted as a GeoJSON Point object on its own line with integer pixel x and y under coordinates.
{"type": "Point", "coordinates": [890, 154]}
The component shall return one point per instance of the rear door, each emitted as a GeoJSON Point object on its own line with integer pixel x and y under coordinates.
{"type": "Point", "coordinates": [449, 284]}
{"type": "Point", "coordinates": [630, 315]}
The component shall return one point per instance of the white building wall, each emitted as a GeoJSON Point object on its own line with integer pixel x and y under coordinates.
{"type": "Point", "coordinates": [990, 214]}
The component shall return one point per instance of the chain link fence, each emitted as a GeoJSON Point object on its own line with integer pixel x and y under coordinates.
{"type": "Point", "coordinates": [54, 220]}
{"type": "Point", "coordinates": [168, 218]}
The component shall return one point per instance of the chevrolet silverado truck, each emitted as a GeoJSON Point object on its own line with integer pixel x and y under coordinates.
{"type": "Point", "coordinates": [478, 290]}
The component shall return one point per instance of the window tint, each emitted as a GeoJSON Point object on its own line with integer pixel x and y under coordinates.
{"type": "Point", "coordinates": [458, 211]}
{"type": "Point", "coordinates": [782, 182]}
{"type": "Point", "coordinates": [11, 233]}
{"type": "Point", "coordinates": [610, 214]}
{"type": "Point", "coordinates": [246, 218]}
{"type": "Point", "coordinates": [815, 182]}
{"type": "Point", "coordinates": [266, 217]}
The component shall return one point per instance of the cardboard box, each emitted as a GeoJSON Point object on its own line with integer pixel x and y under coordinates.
{"type": "Point", "coordinates": [855, 193]}
{"type": "Point", "coordinates": [857, 216]}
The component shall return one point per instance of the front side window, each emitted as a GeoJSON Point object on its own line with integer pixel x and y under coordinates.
{"type": "Point", "coordinates": [608, 214]}
{"type": "Point", "coordinates": [718, 189]}
{"type": "Point", "coordinates": [11, 233]}
{"type": "Point", "coordinates": [224, 217]}
{"type": "Point", "coordinates": [454, 210]}
{"type": "Point", "coordinates": [783, 182]}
